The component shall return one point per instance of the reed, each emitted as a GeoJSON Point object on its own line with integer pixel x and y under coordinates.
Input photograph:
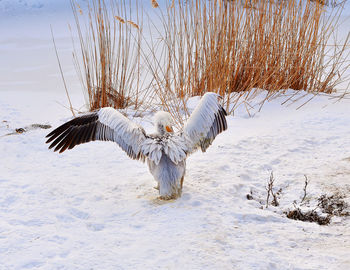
{"type": "Point", "coordinates": [236, 48]}
{"type": "Point", "coordinates": [108, 61]}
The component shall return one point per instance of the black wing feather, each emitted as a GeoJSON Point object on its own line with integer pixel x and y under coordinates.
{"type": "Point", "coordinates": [76, 131]}
{"type": "Point", "coordinates": [89, 127]}
{"type": "Point", "coordinates": [219, 125]}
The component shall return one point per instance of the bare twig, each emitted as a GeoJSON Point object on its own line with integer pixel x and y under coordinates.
{"type": "Point", "coordinates": [109, 60]}
{"type": "Point", "coordinates": [269, 189]}
{"type": "Point", "coordinates": [64, 81]}
{"type": "Point", "coordinates": [307, 181]}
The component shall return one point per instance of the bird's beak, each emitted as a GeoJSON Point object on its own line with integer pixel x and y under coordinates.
{"type": "Point", "coordinates": [169, 129]}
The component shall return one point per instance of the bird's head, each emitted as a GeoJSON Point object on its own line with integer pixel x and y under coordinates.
{"type": "Point", "coordinates": [163, 122]}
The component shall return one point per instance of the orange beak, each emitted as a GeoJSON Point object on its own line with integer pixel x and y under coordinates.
{"type": "Point", "coordinates": [169, 129]}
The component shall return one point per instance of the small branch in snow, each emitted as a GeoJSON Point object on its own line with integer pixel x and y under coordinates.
{"type": "Point", "coordinates": [269, 190]}
{"type": "Point", "coordinates": [307, 181]}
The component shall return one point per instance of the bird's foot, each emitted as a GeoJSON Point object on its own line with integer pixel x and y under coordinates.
{"type": "Point", "coordinates": [167, 198]}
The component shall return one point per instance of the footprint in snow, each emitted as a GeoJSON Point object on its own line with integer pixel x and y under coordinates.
{"type": "Point", "coordinates": [196, 203]}
{"type": "Point", "coordinates": [78, 214]}
{"type": "Point", "coordinates": [8, 201]}
{"type": "Point", "coordinates": [58, 239]}
{"type": "Point", "coordinates": [95, 227]}
{"type": "Point", "coordinates": [65, 218]}
{"type": "Point", "coordinates": [186, 196]}
{"type": "Point", "coordinates": [33, 264]}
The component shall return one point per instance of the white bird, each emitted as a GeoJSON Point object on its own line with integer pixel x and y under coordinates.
{"type": "Point", "coordinates": [165, 151]}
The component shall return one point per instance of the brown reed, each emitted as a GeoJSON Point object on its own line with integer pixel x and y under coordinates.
{"type": "Point", "coordinates": [236, 48]}
{"type": "Point", "coordinates": [154, 3]}
{"type": "Point", "coordinates": [109, 60]}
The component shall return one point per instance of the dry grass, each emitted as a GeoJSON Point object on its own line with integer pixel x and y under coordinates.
{"type": "Point", "coordinates": [235, 48]}
{"type": "Point", "coordinates": [329, 205]}
{"type": "Point", "coordinates": [334, 205]}
{"type": "Point", "coordinates": [309, 216]}
{"type": "Point", "coordinates": [332, 3]}
{"type": "Point", "coordinates": [109, 59]}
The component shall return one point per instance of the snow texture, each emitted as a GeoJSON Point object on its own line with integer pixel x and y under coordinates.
{"type": "Point", "coordinates": [94, 208]}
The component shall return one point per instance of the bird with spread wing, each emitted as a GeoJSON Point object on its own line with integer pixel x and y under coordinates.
{"type": "Point", "coordinates": [165, 151]}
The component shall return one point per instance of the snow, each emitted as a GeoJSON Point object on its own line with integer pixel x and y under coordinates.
{"type": "Point", "coordinates": [94, 208]}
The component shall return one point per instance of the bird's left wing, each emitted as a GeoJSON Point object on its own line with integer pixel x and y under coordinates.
{"type": "Point", "coordinates": [206, 121]}
{"type": "Point", "coordinates": [106, 124]}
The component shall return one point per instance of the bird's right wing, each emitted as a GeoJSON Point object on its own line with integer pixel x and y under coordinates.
{"type": "Point", "coordinates": [105, 124]}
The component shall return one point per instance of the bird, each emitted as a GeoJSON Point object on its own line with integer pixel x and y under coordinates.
{"type": "Point", "coordinates": [165, 151]}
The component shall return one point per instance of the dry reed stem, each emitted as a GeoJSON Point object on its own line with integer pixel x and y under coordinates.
{"type": "Point", "coordinates": [61, 71]}
{"type": "Point", "coordinates": [109, 60]}
{"type": "Point", "coordinates": [233, 47]}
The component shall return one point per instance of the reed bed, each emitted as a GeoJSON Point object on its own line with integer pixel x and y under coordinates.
{"type": "Point", "coordinates": [108, 60]}
{"type": "Point", "coordinates": [237, 48]}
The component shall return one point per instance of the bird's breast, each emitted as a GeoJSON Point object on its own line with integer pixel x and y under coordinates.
{"type": "Point", "coordinates": [166, 170]}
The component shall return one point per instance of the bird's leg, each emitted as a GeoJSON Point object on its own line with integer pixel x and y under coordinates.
{"type": "Point", "coordinates": [182, 181]}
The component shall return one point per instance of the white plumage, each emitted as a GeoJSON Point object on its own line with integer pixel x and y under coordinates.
{"type": "Point", "coordinates": [165, 151]}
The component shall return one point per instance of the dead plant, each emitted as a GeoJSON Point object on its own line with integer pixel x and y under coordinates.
{"type": "Point", "coordinates": [310, 216]}
{"type": "Point", "coordinates": [236, 48]}
{"type": "Point", "coordinates": [270, 191]}
{"type": "Point", "coordinates": [307, 181]}
{"type": "Point", "coordinates": [109, 60]}
{"type": "Point", "coordinates": [333, 205]}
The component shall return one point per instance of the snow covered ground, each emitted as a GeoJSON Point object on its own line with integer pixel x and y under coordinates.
{"type": "Point", "coordinates": [94, 208]}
